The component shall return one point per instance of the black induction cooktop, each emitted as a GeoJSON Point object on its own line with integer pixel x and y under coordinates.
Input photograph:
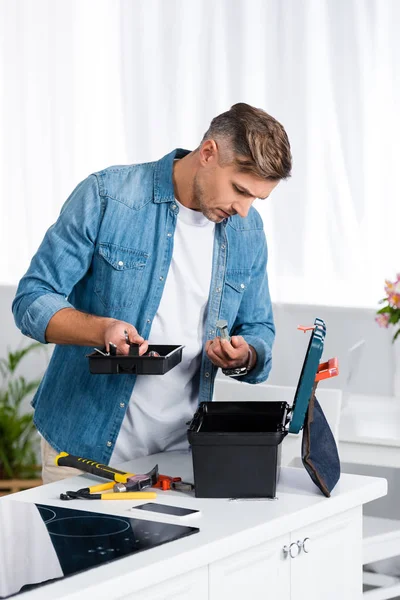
{"type": "Point", "coordinates": [40, 544]}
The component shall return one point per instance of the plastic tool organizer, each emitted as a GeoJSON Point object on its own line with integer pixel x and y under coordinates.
{"type": "Point", "coordinates": [236, 446]}
{"type": "Point", "coordinates": [133, 364]}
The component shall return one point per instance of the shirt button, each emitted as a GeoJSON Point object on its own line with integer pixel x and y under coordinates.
{"type": "Point", "coordinates": [169, 234]}
{"type": "Point", "coordinates": [109, 444]}
{"type": "Point", "coordinates": [148, 321]}
{"type": "Point", "coordinates": [218, 290]}
{"type": "Point", "coordinates": [121, 263]}
{"type": "Point", "coordinates": [211, 332]}
{"type": "Point", "coordinates": [122, 404]}
{"type": "Point", "coordinates": [207, 374]}
{"type": "Point", "coordinates": [161, 278]}
{"type": "Point", "coordinates": [223, 246]}
{"type": "Point", "coordinates": [242, 286]}
{"type": "Point", "coordinates": [174, 206]}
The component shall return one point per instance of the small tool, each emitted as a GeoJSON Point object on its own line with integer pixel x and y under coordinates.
{"type": "Point", "coordinates": [101, 352]}
{"type": "Point", "coordinates": [121, 481]}
{"type": "Point", "coordinates": [138, 482]}
{"type": "Point", "coordinates": [135, 483]}
{"type": "Point", "coordinates": [222, 325]}
{"type": "Point", "coordinates": [165, 482]}
{"type": "Point", "coordinates": [128, 490]}
{"type": "Point", "coordinates": [91, 466]}
{"type": "Point", "coordinates": [80, 495]}
{"type": "Point", "coordinates": [133, 348]}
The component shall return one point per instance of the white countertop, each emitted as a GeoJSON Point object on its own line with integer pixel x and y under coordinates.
{"type": "Point", "coordinates": [226, 526]}
{"type": "Point", "coordinates": [371, 420]}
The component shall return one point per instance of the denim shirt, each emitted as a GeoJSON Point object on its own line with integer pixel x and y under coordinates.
{"type": "Point", "coordinates": [108, 254]}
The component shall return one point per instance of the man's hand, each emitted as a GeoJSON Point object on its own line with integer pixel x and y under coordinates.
{"type": "Point", "coordinates": [230, 355]}
{"type": "Point", "coordinates": [71, 326]}
{"type": "Point", "coordinates": [115, 333]}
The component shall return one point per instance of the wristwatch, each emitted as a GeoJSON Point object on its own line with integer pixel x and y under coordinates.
{"type": "Point", "coordinates": [239, 371]}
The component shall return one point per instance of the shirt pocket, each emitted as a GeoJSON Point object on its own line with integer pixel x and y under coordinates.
{"type": "Point", "coordinates": [119, 275]}
{"type": "Point", "coordinates": [236, 283]}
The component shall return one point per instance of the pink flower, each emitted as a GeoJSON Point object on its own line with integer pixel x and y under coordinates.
{"type": "Point", "coordinates": [383, 320]}
{"type": "Point", "coordinates": [393, 291]}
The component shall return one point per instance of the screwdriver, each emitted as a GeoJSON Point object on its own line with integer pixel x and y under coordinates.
{"type": "Point", "coordinates": [82, 495]}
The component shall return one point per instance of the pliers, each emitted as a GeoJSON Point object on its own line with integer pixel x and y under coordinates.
{"type": "Point", "coordinates": [165, 482]}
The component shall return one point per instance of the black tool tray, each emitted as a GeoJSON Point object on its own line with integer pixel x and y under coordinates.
{"type": "Point", "coordinates": [132, 364]}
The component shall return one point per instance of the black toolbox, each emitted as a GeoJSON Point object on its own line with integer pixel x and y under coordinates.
{"type": "Point", "coordinates": [236, 446]}
{"type": "Point", "coordinates": [133, 364]}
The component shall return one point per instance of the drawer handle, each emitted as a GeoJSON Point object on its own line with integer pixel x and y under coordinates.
{"type": "Point", "coordinates": [305, 545]}
{"type": "Point", "coordinates": [292, 550]}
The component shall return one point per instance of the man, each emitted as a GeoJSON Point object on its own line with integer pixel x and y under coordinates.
{"type": "Point", "coordinates": [162, 250]}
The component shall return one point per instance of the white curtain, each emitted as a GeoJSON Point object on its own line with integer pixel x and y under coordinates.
{"type": "Point", "coordinates": [90, 83]}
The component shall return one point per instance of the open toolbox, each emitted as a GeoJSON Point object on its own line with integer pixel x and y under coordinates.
{"type": "Point", "coordinates": [158, 360]}
{"type": "Point", "coordinates": [236, 446]}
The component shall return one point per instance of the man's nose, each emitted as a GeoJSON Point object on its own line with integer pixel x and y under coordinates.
{"type": "Point", "coordinates": [242, 207]}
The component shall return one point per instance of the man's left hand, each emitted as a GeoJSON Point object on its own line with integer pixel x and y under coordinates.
{"type": "Point", "coordinates": [230, 355]}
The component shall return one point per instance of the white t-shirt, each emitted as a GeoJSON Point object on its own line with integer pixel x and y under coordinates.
{"type": "Point", "coordinates": [161, 405]}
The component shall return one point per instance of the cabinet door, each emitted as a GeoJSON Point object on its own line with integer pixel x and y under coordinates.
{"type": "Point", "coordinates": [193, 585]}
{"type": "Point", "coordinates": [260, 572]}
{"type": "Point", "coordinates": [329, 564]}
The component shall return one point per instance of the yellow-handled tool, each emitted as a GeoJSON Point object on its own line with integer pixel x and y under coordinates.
{"type": "Point", "coordinates": [124, 486]}
{"type": "Point", "coordinates": [91, 466]}
{"type": "Point", "coordinates": [84, 495]}
{"type": "Point", "coordinates": [124, 496]}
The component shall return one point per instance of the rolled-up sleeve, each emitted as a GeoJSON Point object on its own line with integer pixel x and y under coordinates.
{"type": "Point", "coordinates": [62, 259]}
{"type": "Point", "coordinates": [255, 319]}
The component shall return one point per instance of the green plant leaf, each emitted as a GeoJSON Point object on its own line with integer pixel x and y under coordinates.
{"type": "Point", "coordinates": [385, 309]}
{"type": "Point", "coordinates": [394, 317]}
{"type": "Point", "coordinates": [396, 335]}
{"type": "Point", "coordinates": [18, 439]}
{"type": "Point", "coordinates": [14, 358]}
{"type": "Point", "coordinates": [3, 368]}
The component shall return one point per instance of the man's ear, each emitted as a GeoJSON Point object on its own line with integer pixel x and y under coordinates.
{"type": "Point", "coordinates": [208, 152]}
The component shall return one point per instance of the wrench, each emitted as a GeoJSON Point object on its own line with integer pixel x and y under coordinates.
{"type": "Point", "coordinates": [222, 325]}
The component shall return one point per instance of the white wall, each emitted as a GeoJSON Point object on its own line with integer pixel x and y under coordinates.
{"type": "Point", "coordinates": [345, 327]}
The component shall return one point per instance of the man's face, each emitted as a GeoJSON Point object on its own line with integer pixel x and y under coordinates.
{"type": "Point", "coordinates": [222, 191]}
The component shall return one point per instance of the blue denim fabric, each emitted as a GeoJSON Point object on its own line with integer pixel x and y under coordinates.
{"type": "Point", "coordinates": [319, 451]}
{"type": "Point", "coordinates": [108, 254]}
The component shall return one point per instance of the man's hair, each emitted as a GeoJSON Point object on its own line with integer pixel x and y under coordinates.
{"type": "Point", "coordinates": [257, 142]}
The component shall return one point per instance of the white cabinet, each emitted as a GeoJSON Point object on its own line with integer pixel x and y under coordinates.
{"type": "Point", "coordinates": [322, 560]}
{"type": "Point", "coordinates": [329, 562]}
{"type": "Point", "coordinates": [192, 585]}
{"type": "Point", "coordinates": [259, 572]}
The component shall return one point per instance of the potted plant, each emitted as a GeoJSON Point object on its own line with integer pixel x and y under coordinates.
{"type": "Point", "coordinates": [390, 315]}
{"type": "Point", "coordinates": [18, 436]}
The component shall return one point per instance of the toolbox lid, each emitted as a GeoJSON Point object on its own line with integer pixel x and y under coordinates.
{"type": "Point", "coordinates": [307, 376]}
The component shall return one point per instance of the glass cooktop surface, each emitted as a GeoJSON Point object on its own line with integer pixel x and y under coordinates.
{"type": "Point", "coordinates": [40, 543]}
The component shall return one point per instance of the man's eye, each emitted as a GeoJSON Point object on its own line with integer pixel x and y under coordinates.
{"type": "Point", "coordinates": [240, 191]}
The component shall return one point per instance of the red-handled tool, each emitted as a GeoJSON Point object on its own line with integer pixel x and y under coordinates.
{"type": "Point", "coordinates": [327, 369]}
{"type": "Point", "coordinates": [173, 483]}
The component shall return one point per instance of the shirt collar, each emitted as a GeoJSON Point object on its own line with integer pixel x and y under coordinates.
{"type": "Point", "coordinates": [163, 183]}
